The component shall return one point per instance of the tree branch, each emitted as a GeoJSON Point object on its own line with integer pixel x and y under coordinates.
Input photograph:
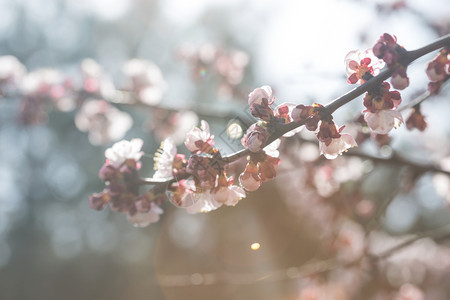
{"type": "Point", "coordinates": [408, 57]}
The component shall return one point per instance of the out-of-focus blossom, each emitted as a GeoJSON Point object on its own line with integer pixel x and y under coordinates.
{"type": "Point", "coordinates": [11, 70]}
{"type": "Point", "coordinates": [361, 66]}
{"type": "Point", "coordinates": [332, 142]}
{"type": "Point", "coordinates": [230, 65]}
{"type": "Point", "coordinates": [95, 82]}
{"type": "Point", "coordinates": [383, 121]}
{"type": "Point", "coordinates": [41, 89]}
{"type": "Point", "coordinates": [200, 139]}
{"type": "Point", "coordinates": [146, 79]}
{"type": "Point", "coordinates": [99, 201]}
{"type": "Point", "coordinates": [323, 291]}
{"type": "Point", "coordinates": [350, 242]}
{"type": "Point", "coordinates": [416, 120]}
{"type": "Point", "coordinates": [103, 122]}
{"type": "Point", "coordinates": [409, 292]}
{"type": "Point", "coordinates": [256, 137]}
{"type": "Point", "coordinates": [124, 150]}
{"type": "Point", "coordinates": [44, 82]}
{"type": "Point", "coordinates": [441, 185]}
{"type": "Point", "coordinates": [419, 261]}
{"type": "Point", "coordinates": [225, 66]}
{"type": "Point", "coordinates": [143, 219]}
{"type": "Point", "coordinates": [164, 123]}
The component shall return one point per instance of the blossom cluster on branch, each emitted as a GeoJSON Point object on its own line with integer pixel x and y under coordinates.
{"type": "Point", "coordinates": [201, 183]}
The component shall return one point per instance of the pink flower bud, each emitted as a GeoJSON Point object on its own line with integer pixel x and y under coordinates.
{"type": "Point", "coordinates": [259, 95]}
{"type": "Point", "coordinates": [107, 173]}
{"type": "Point", "coordinates": [399, 79]}
{"type": "Point", "coordinates": [255, 138]}
{"type": "Point", "coordinates": [268, 168]}
{"type": "Point", "coordinates": [438, 68]}
{"type": "Point", "coordinates": [385, 49]}
{"type": "Point", "coordinates": [99, 201]}
{"type": "Point", "coordinates": [259, 101]}
{"type": "Point", "coordinates": [250, 179]}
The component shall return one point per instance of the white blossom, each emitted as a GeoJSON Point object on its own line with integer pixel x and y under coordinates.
{"type": "Point", "coordinates": [140, 219]}
{"type": "Point", "coordinates": [164, 159]}
{"type": "Point", "coordinates": [124, 150]}
{"type": "Point", "coordinates": [256, 97]}
{"type": "Point", "coordinates": [383, 121]}
{"type": "Point", "coordinates": [196, 135]}
{"type": "Point", "coordinates": [229, 195]}
{"type": "Point", "coordinates": [337, 146]}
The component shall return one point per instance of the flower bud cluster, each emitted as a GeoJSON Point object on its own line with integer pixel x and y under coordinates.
{"type": "Point", "coordinates": [381, 103]}
{"type": "Point", "coordinates": [121, 175]}
{"type": "Point", "coordinates": [386, 49]}
{"type": "Point", "coordinates": [146, 79]}
{"type": "Point", "coordinates": [256, 137]}
{"type": "Point", "coordinates": [331, 141]}
{"type": "Point", "coordinates": [389, 51]}
{"type": "Point", "coordinates": [102, 121]}
{"type": "Point", "coordinates": [380, 113]}
{"type": "Point", "coordinates": [227, 66]}
{"type": "Point", "coordinates": [210, 187]}
{"type": "Point", "coordinates": [261, 167]}
{"type": "Point", "coordinates": [259, 101]}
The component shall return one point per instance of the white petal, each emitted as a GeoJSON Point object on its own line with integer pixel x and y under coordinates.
{"type": "Point", "coordinates": [383, 121]}
{"type": "Point", "coordinates": [145, 219]}
{"type": "Point", "coordinates": [272, 148]}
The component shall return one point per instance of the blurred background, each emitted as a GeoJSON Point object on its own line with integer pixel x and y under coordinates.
{"type": "Point", "coordinates": [206, 57]}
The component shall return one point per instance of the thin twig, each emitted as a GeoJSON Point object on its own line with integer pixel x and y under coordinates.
{"type": "Point", "coordinates": [439, 234]}
{"type": "Point", "coordinates": [422, 97]}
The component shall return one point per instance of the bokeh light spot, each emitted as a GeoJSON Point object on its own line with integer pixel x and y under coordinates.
{"type": "Point", "coordinates": [255, 246]}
